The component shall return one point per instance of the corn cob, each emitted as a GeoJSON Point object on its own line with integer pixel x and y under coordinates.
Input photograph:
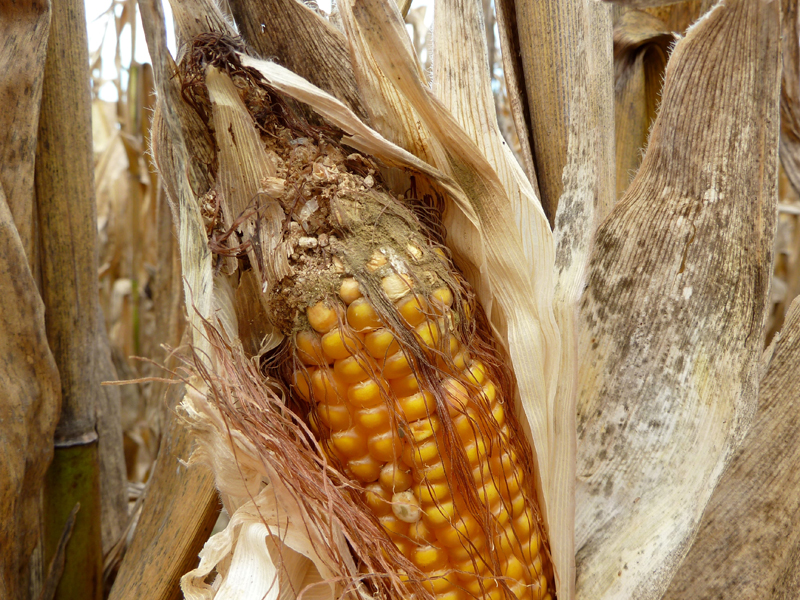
{"type": "Point", "coordinates": [392, 362]}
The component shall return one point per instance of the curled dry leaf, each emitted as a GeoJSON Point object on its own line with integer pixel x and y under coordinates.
{"type": "Point", "coordinates": [748, 545]}
{"type": "Point", "coordinates": [675, 307]}
{"type": "Point", "coordinates": [641, 45]}
{"type": "Point", "coordinates": [29, 407]}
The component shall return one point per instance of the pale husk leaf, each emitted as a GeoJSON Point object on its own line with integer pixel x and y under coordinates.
{"type": "Point", "coordinates": [748, 541]}
{"type": "Point", "coordinates": [675, 308]}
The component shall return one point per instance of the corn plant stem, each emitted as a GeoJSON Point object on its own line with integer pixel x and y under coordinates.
{"type": "Point", "coordinates": [67, 220]}
{"type": "Point", "coordinates": [76, 469]}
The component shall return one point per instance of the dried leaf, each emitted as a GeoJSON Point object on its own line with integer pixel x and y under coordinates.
{"type": "Point", "coordinates": [23, 28]}
{"type": "Point", "coordinates": [29, 407]}
{"type": "Point", "coordinates": [748, 541]}
{"type": "Point", "coordinates": [790, 93]}
{"type": "Point", "coordinates": [641, 45]}
{"type": "Point", "coordinates": [302, 41]}
{"type": "Point", "coordinates": [515, 84]}
{"type": "Point", "coordinates": [675, 307]}
{"type": "Point", "coordinates": [566, 55]}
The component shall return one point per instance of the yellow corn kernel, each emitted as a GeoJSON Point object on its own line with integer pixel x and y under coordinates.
{"type": "Point", "coordinates": [335, 417]}
{"type": "Point", "coordinates": [381, 343]}
{"type": "Point", "coordinates": [353, 369]}
{"type": "Point", "coordinates": [437, 471]}
{"type": "Point", "coordinates": [441, 299]}
{"type": "Point", "coordinates": [308, 347]}
{"type": "Point", "coordinates": [432, 492]}
{"type": "Point", "coordinates": [405, 386]}
{"type": "Point", "coordinates": [475, 450]}
{"type": "Point", "coordinates": [420, 534]}
{"type": "Point", "coordinates": [396, 365]}
{"type": "Point", "coordinates": [518, 504]}
{"type": "Point", "coordinates": [378, 499]}
{"type": "Point", "coordinates": [438, 516]}
{"type": "Point", "coordinates": [524, 524]}
{"type": "Point", "coordinates": [365, 469]}
{"type": "Point", "coordinates": [349, 290]}
{"type": "Point", "coordinates": [469, 549]}
{"type": "Point", "coordinates": [327, 387]}
{"type": "Point", "coordinates": [361, 316]}
{"type": "Point", "coordinates": [322, 317]}
{"type": "Point", "coordinates": [489, 494]}
{"type": "Point", "coordinates": [521, 591]}
{"type": "Point", "coordinates": [417, 406]}
{"type": "Point", "coordinates": [350, 442]}
{"type": "Point", "coordinates": [424, 453]}
{"type": "Point", "coordinates": [429, 558]}
{"type": "Point", "coordinates": [395, 478]}
{"type": "Point", "coordinates": [473, 566]}
{"type": "Point", "coordinates": [452, 594]}
{"type": "Point", "coordinates": [476, 373]}
{"type": "Point", "coordinates": [386, 446]}
{"type": "Point", "coordinates": [464, 528]}
{"type": "Point", "coordinates": [302, 383]}
{"type": "Point", "coordinates": [461, 359]}
{"type": "Point", "coordinates": [428, 333]}
{"type": "Point", "coordinates": [424, 428]}
{"type": "Point", "coordinates": [393, 526]}
{"type": "Point", "coordinates": [413, 309]}
{"type": "Point", "coordinates": [456, 396]}
{"type": "Point", "coordinates": [373, 417]}
{"type": "Point", "coordinates": [365, 393]}
{"type": "Point", "coordinates": [514, 568]}
{"type": "Point", "coordinates": [337, 344]}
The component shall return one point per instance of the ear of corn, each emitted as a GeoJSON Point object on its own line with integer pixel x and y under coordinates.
{"type": "Point", "coordinates": [392, 363]}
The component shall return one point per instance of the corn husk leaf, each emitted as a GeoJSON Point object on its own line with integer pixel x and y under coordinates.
{"type": "Point", "coordinates": [302, 41]}
{"type": "Point", "coordinates": [790, 94]}
{"type": "Point", "coordinates": [29, 406]}
{"type": "Point", "coordinates": [747, 544]}
{"type": "Point", "coordinates": [507, 30]}
{"type": "Point", "coordinates": [567, 59]}
{"type": "Point", "coordinates": [675, 308]}
{"type": "Point", "coordinates": [641, 46]}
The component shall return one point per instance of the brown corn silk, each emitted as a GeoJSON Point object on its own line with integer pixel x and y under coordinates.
{"type": "Point", "coordinates": [387, 358]}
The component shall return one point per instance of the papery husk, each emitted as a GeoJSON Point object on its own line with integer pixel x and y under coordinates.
{"type": "Point", "coordinates": [748, 543]}
{"type": "Point", "coordinates": [641, 46]}
{"type": "Point", "coordinates": [567, 60]}
{"type": "Point", "coordinates": [790, 93]}
{"type": "Point", "coordinates": [302, 41]}
{"type": "Point", "coordinates": [675, 308]}
{"type": "Point", "coordinates": [29, 407]}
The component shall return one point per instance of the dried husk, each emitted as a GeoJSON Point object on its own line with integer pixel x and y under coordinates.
{"type": "Point", "coordinates": [302, 41]}
{"type": "Point", "coordinates": [566, 55]}
{"type": "Point", "coordinates": [641, 46]}
{"type": "Point", "coordinates": [675, 307]}
{"type": "Point", "coordinates": [790, 93]}
{"type": "Point", "coordinates": [748, 544]}
{"type": "Point", "coordinates": [29, 407]}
